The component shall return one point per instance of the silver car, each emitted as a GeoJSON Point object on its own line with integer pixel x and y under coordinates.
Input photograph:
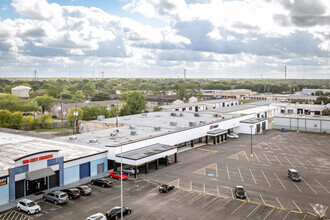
{"type": "Point", "coordinates": [57, 197]}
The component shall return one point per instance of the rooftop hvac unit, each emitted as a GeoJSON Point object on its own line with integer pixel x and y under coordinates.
{"type": "Point", "coordinates": [73, 138]}
{"type": "Point", "coordinates": [216, 115]}
{"type": "Point", "coordinates": [173, 123]}
{"type": "Point", "coordinates": [158, 116]}
{"type": "Point", "coordinates": [93, 141]}
{"type": "Point", "coordinates": [202, 122]}
{"type": "Point", "coordinates": [132, 127]}
{"type": "Point", "coordinates": [100, 118]}
{"type": "Point", "coordinates": [113, 134]}
{"type": "Point", "coordinates": [133, 132]}
{"type": "Point", "coordinates": [144, 115]}
{"type": "Point", "coordinates": [192, 124]}
{"type": "Point", "coordinates": [197, 115]}
{"type": "Point", "coordinates": [181, 114]}
{"type": "Point", "coordinates": [157, 128]}
{"type": "Point", "coordinates": [173, 114]}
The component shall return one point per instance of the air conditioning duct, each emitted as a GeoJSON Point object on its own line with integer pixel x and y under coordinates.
{"type": "Point", "coordinates": [192, 124]}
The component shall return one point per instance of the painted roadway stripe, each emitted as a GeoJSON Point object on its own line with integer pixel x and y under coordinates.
{"type": "Point", "coordinates": [215, 151]}
{"type": "Point", "coordinates": [311, 164]}
{"type": "Point", "coordinates": [188, 194]}
{"type": "Point", "coordinates": [297, 149]}
{"type": "Point", "coordinates": [317, 151]}
{"type": "Point", "coordinates": [269, 213]}
{"type": "Point", "coordinates": [253, 210]}
{"type": "Point", "coordinates": [311, 214]}
{"type": "Point", "coordinates": [216, 170]}
{"type": "Point", "coordinates": [321, 185]}
{"type": "Point", "coordinates": [297, 206]}
{"type": "Point", "coordinates": [204, 187]}
{"type": "Point", "coordinates": [266, 178]}
{"type": "Point", "coordinates": [253, 176]}
{"type": "Point", "coordinates": [239, 171]}
{"type": "Point", "coordinates": [262, 199]}
{"type": "Point", "coordinates": [223, 205]}
{"type": "Point", "coordinates": [209, 202]}
{"type": "Point", "coordinates": [279, 180]}
{"type": "Point", "coordinates": [26, 216]}
{"type": "Point", "coordinates": [237, 208]}
{"type": "Point", "coordinates": [190, 185]}
{"type": "Point", "coordinates": [310, 187]}
{"type": "Point", "coordinates": [228, 172]}
{"type": "Point", "coordinates": [247, 197]}
{"type": "Point", "coordinates": [287, 215]}
{"type": "Point", "coordinates": [257, 157]}
{"type": "Point", "coordinates": [268, 159]}
{"type": "Point", "coordinates": [195, 199]}
{"type": "Point", "coordinates": [279, 203]}
{"type": "Point", "coordinates": [232, 194]}
{"type": "Point", "coordinates": [287, 148]}
{"type": "Point", "coordinates": [300, 163]}
{"type": "Point", "coordinates": [246, 156]}
{"type": "Point", "coordinates": [289, 161]}
{"type": "Point", "coordinates": [278, 160]}
{"type": "Point", "coordinates": [218, 190]}
{"type": "Point", "coordinates": [296, 186]}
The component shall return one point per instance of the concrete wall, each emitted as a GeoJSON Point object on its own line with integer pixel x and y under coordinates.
{"type": "Point", "coordinates": [71, 174]}
{"type": "Point", "coordinates": [302, 124]}
{"type": "Point", "coordinates": [94, 164]}
{"type": "Point", "coordinates": [4, 193]}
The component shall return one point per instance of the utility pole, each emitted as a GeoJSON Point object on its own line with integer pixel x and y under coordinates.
{"type": "Point", "coordinates": [285, 71]}
{"type": "Point", "coordinates": [75, 118]}
{"type": "Point", "coordinates": [184, 74]}
{"type": "Point", "coordinates": [35, 74]}
{"type": "Point", "coordinates": [251, 155]}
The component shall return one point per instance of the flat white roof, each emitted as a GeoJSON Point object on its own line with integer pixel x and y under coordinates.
{"type": "Point", "coordinates": [14, 146]}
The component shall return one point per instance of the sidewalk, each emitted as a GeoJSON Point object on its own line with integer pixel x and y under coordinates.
{"type": "Point", "coordinates": [86, 180]}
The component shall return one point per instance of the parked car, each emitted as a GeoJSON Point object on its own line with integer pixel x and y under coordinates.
{"type": "Point", "coordinates": [84, 190]}
{"type": "Point", "coordinates": [294, 175]}
{"type": "Point", "coordinates": [233, 136]}
{"type": "Point", "coordinates": [163, 160]}
{"type": "Point", "coordinates": [240, 192]}
{"type": "Point", "coordinates": [28, 206]}
{"type": "Point", "coordinates": [102, 182]}
{"type": "Point", "coordinates": [97, 216]}
{"type": "Point", "coordinates": [165, 188]}
{"type": "Point", "coordinates": [116, 175]}
{"type": "Point", "coordinates": [115, 212]}
{"type": "Point", "coordinates": [56, 197]}
{"type": "Point", "coordinates": [73, 193]}
{"type": "Point", "coordinates": [130, 171]}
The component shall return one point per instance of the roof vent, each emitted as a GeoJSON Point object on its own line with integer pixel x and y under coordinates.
{"type": "Point", "coordinates": [73, 138]}
{"type": "Point", "coordinates": [100, 118]}
{"type": "Point", "coordinates": [173, 114]}
{"type": "Point", "coordinates": [217, 115]}
{"type": "Point", "coordinates": [158, 116]}
{"type": "Point", "coordinates": [173, 123]}
{"type": "Point", "coordinates": [132, 127]}
{"type": "Point", "coordinates": [133, 132]}
{"type": "Point", "coordinates": [93, 141]}
{"type": "Point", "coordinates": [181, 114]}
{"type": "Point", "coordinates": [202, 122]}
{"type": "Point", "coordinates": [157, 128]}
{"type": "Point", "coordinates": [113, 134]}
{"type": "Point", "coordinates": [197, 115]}
{"type": "Point", "coordinates": [192, 123]}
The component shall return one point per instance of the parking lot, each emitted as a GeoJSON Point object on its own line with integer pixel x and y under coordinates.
{"type": "Point", "coordinates": [205, 177]}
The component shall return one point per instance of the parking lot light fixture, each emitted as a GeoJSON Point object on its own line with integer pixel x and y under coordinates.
{"type": "Point", "coordinates": [251, 155]}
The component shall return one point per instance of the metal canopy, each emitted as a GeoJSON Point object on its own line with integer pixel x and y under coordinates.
{"type": "Point", "coordinates": [216, 132]}
{"type": "Point", "coordinates": [37, 174]}
{"type": "Point", "coordinates": [146, 151]}
{"type": "Point", "coordinates": [253, 120]}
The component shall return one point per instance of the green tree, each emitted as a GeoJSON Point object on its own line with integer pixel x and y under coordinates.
{"type": "Point", "coordinates": [5, 118]}
{"type": "Point", "coordinates": [298, 100]}
{"type": "Point", "coordinates": [157, 108]}
{"type": "Point", "coordinates": [66, 95]}
{"type": "Point", "coordinates": [114, 111]}
{"type": "Point", "coordinates": [135, 103]}
{"type": "Point", "coordinates": [78, 97]}
{"type": "Point", "coordinates": [91, 112]}
{"type": "Point", "coordinates": [88, 90]}
{"type": "Point", "coordinates": [326, 112]}
{"type": "Point", "coordinates": [45, 102]}
{"type": "Point", "coordinates": [13, 103]}
{"type": "Point", "coordinates": [70, 116]}
{"type": "Point", "coordinates": [28, 123]}
{"type": "Point", "coordinates": [101, 96]}
{"type": "Point", "coordinates": [16, 120]}
{"type": "Point", "coordinates": [44, 121]}
{"type": "Point", "coordinates": [322, 99]}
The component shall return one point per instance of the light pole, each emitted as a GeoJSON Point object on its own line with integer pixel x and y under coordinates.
{"type": "Point", "coordinates": [121, 182]}
{"type": "Point", "coordinates": [251, 155]}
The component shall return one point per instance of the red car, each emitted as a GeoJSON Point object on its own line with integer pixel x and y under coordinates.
{"type": "Point", "coordinates": [116, 175]}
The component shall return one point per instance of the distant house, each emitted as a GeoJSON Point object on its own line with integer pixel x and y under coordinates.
{"type": "Point", "coordinates": [158, 100]}
{"type": "Point", "coordinates": [21, 91]}
{"type": "Point", "coordinates": [192, 99]}
{"type": "Point", "coordinates": [177, 102]}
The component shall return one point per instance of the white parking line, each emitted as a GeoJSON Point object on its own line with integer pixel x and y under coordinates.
{"type": "Point", "coordinates": [278, 160]}
{"type": "Point", "coordinates": [239, 171]}
{"type": "Point", "coordinates": [257, 157]}
{"type": "Point", "coordinates": [253, 176]}
{"type": "Point", "coordinates": [300, 163]}
{"type": "Point", "coordinates": [232, 194]}
{"type": "Point", "coordinates": [269, 213]}
{"type": "Point", "coordinates": [218, 190]}
{"type": "Point", "coordinates": [311, 163]}
{"type": "Point", "coordinates": [190, 185]}
{"type": "Point", "coordinates": [296, 186]}
{"type": "Point", "coordinates": [297, 206]}
{"type": "Point", "coordinates": [268, 159]}
{"type": "Point", "coordinates": [288, 148]}
{"type": "Point", "coordinates": [216, 170]}
{"type": "Point", "coordinates": [266, 178]}
{"type": "Point", "coordinates": [228, 172]}
{"type": "Point", "coordinates": [321, 185]}
{"type": "Point", "coordinates": [246, 156]}
{"type": "Point", "coordinates": [289, 162]}
{"type": "Point", "coordinates": [309, 186]}
{"type": "Point", "coordinates": [262, 199]}
{"type": "Point", "coordinates": [209, 202]}
{"type": "Point", "coordinates": [279, 180]}
{"type": "Point", "coordinates": [279, 202]}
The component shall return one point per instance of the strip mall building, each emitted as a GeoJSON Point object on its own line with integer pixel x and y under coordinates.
{"type": "Point", "coordinates": [29, 165]}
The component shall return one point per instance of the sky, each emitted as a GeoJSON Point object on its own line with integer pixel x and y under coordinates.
{"type": "Point", "coordinates": [164, 38]}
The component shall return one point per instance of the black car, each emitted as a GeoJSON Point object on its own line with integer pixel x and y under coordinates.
{"type": "Point", "coordinates": [84, 190]}
{"type": "Point", "coordinates": [73, 193]}
{"type": "Point", "coordinates": [165, 188]}
{"type": "Point", "coordinates": [102, 182]}
{"type": "Point", "coordinates": [294, 175]}
{"type": "Point", "coordinates": [115, 212]}
{"type": "Point", "coordinates": [240, 192]}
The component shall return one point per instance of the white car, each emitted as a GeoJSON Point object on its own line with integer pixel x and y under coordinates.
{"type": "Point", "coordinates": [97, 216]}
{"type": "Point", "coordinates": [130, 171]}
{"type": "Point", "coordinates": [28, 206]}
{"type": "Point", "coordinates": [232, 135]}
